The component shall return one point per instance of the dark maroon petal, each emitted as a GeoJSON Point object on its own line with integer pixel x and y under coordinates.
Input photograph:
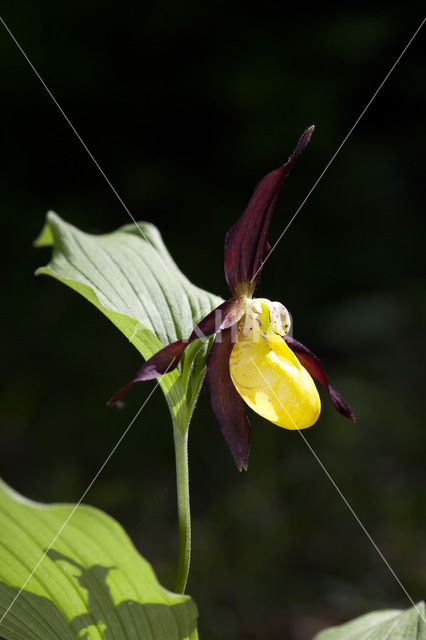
{"type": "Point", "coordinates": [227, 404]}
{"type": "Point", "coordinates": [313, 365]}
{"type": "Point", "coordinates": [167, 359]}
{"type": "Point", "coordinates": [160, 363]}
{"type": "Point", "coordinates": [223, 317]}
{"type": "Point", "coordinates": [246, 243]}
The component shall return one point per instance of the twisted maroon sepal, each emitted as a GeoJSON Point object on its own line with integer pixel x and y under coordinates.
{"type": "Point", "coordinates": [313, 365]}
{"type": "Point", "coordinates": [167, 359]}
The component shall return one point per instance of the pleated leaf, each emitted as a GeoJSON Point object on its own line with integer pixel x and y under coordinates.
{"type": "Point", "coordinates": [92, 584]}
{"type": "Point", "coordinates": [381, 625]}
{"type": "Point", "coordinates": [130, 276]}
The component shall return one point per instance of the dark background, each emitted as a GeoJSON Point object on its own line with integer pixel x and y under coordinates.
{"type": "Point", "coordinates": [186, 105]}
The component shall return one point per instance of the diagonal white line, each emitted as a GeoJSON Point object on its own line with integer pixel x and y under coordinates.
{"type": "Point", "coordinates": [342, 496]}
{"type": "Point", "coordinates": [85, 147]}
{"type": "Point", "coordinates": [78, 503]}
{"type": "Point", "coordinates": [86, 492]}
{"type": "Point", "coordinates": [342, 143]}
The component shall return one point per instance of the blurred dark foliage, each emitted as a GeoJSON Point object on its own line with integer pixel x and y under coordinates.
{"type": "Point", "coordinates": [186, 105]}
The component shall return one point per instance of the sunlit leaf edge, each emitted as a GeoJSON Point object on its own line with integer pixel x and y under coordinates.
{"type": "Point", "coordinates": [389, 624]}
{"type": "Point", "coordinates": [57, 233]}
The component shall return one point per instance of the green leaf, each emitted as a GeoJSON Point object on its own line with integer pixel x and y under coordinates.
{"type": "Point", "coordinates": [382, 625]}
{"type": "Point", "coordinates": [130, 276]}
{"type": "Point", "coordinates": [92, 584]}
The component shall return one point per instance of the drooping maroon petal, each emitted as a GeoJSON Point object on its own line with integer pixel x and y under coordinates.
{"type": "Point", "coordinates": [160, 363]}
{"type": "Point", "coordinates": [223, 317]}
{"type": "Point", "coordinates": [313, 365]}
{"type": "Point", "coordinates": [246, 243]}
{"type": "Point", "coordinates": [167, 359]}
{"type": "Point", "coordinates": [227, 404]}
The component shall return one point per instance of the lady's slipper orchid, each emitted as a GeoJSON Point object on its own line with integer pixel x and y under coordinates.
{"type": "Point", "coordinates": [253, 359]}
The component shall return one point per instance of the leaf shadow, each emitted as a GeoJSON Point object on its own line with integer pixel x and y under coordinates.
{"type": "Point", "coordinates": [127, 619]}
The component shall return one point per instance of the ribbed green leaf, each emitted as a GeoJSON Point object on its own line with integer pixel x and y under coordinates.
{"type": "Point", "coordinates": [130, 276]}
{"type": "Point", "coordinates": [381, 625]}
{"type": "Point", "coordinates": [92, 583]}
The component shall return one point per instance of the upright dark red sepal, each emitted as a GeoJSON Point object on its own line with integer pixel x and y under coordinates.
{"type": "Point", "coordinates": [313, 365]}
{"type": "Point", "coordinates": [167, 359]}
{"type": "Point", "coordinates": [227, 404]}
{"type": "Point", "coordinates": [246, 243]}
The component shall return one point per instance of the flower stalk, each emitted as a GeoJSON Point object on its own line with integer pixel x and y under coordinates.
{"type": "Point", "coordinates": [184, 508]}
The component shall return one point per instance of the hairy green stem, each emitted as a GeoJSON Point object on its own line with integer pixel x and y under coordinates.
{"type": "Point", "coordinates": [184, 511]}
